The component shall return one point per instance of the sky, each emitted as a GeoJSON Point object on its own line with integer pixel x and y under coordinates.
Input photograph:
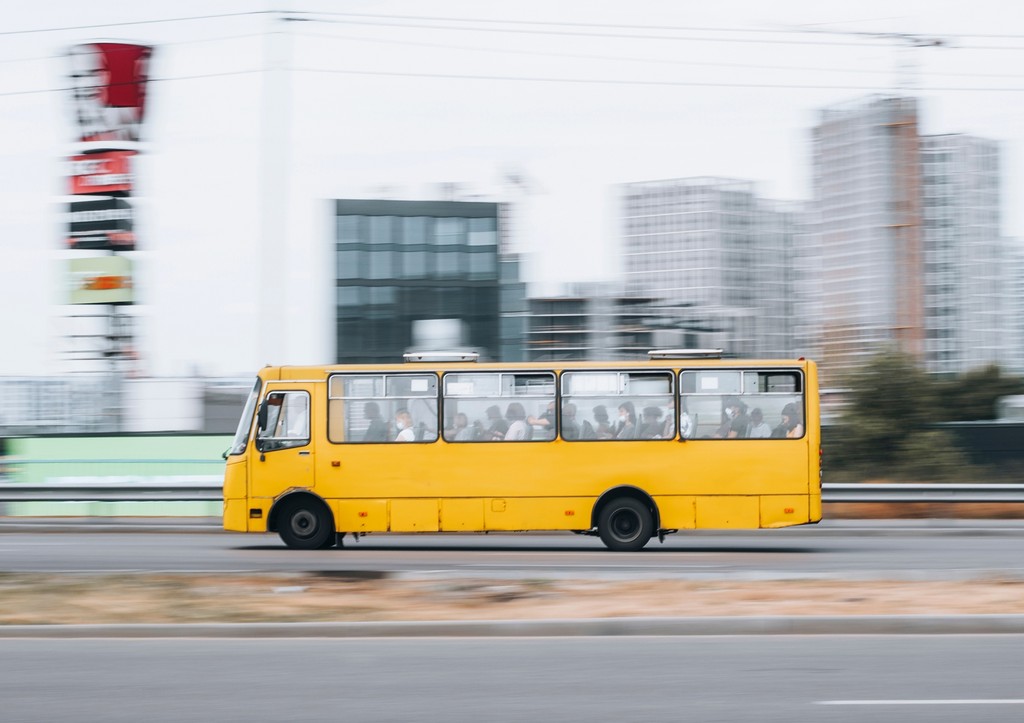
{"type": "Point", "coordinates": [254, 121]}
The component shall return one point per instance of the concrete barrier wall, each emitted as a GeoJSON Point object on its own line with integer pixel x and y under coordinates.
{"type": "Point", "coordinates": [114, 459]}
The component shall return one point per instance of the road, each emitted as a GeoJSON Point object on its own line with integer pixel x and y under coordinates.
{"type": "Point", "coordinates": [896, 550]}
{"type": "Point", "coordinates": [736, 678]}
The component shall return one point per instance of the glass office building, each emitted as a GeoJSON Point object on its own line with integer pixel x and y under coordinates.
{"type": "Point", "coordinates": [416, 274]}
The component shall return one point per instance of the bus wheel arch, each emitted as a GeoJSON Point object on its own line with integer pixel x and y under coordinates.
{"type": "Point", "coordinates": [626, 518]}
{"type": "Point", "coordinates": [303, 520]}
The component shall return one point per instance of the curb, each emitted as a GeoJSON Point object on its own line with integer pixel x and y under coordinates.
{"type": "Point", "coordinates": [206, 525]}
{"type": "Point", "coordinates": [774, 625]}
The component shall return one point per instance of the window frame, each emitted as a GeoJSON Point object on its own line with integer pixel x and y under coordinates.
{"type": "Point", "coordinates": [383, 397]}
{"type": "Point", "coordinates": [672, 394]}
{"type": "Point", "coordinates": [745, 396]}
{"type": "Point", "coordinates": [264, 443]}
{"type": "Point", "coordinates": [506, 399]}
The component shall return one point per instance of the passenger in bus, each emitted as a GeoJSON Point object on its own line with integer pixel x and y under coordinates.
{"type": "Point", "coordinates": [791, 425]}
{"type": "Point", "coordinates": [460, 431]}
{"type": "Point", "coordinates": [570, 427]}
{"type": "Point", "coordinates": [518, 429]}
{"type": "Point", "coordinates": [602, 426]}
{"type": "Point", "coordinates": [545, 423]}
{"type": "Point", "coordinates": [759, 428]}
{"type": "Point", "coordinates": [651, 426]}
{"type": "Point", "coordinates": [668, 426]}
{"type": "Point", "coordinates": [687, 427]}
{"type": "Point", "coordinates": [378, 429]}
{"type": "Point", "coordinates": [497, 427]}
{"type": "Point", "coordinates": [403, 423]}
{"type": "Point", "coordinates": [626, 428]}
{"type": "Point", "coordinates": [734, 420]}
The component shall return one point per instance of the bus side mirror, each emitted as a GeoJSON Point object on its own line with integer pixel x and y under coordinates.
{"type": "Point", "coordinates": [261, 417]}
{"type": "Point", "coordinates": [261, 426]}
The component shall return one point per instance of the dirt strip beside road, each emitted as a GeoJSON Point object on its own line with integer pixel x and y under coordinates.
{"type": "Point", "coordinates": [170, 598]}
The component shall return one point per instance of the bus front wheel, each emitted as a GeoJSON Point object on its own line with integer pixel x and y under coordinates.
{"type": "Point", "coordinates": [305, 524]}
{"type": "Point", "coordinates": [625, 524]}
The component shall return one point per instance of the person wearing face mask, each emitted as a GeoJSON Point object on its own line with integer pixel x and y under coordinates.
{"type": "Point", "coordinates": [735, 421]}
{"type": "Point", "coordinates": [403, 423]}
{"type": "Point", "coordinates": [626, 428]}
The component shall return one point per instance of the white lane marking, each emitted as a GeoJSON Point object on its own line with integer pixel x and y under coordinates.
{"type": "Point", "coordinates": [926, 701]}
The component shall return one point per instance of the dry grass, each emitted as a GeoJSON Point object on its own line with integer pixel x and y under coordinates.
{"type": "Point", "coordinates": [166, 598]}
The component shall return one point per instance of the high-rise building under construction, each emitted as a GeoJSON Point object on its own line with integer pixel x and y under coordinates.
{"type": "Point", "coordinates": [906, 247]}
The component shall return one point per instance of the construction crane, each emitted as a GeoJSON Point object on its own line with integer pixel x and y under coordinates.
{"type": "Point", "coordinates": [906, 68]}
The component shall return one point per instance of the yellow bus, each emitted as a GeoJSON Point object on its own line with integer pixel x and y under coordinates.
{"type": "Point", "coordinates": [443, 443]}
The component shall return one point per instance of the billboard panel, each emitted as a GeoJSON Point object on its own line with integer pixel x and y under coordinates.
{"type": "Point", "coordinates": [101, 222]}
{"type": "Point", "coordinates": [108, 85]}
{"type": "Point", "coordinates": [102, 173]}
{"type": "Point", "coordinates": [101, 280]}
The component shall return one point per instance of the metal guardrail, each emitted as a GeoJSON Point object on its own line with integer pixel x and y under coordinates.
{"type": "Point", "coordinates": [211, 492]}
{"type": "Point", "coordinates": [915, 492]}
{"type": "Point", "coordinates": [139, 492]}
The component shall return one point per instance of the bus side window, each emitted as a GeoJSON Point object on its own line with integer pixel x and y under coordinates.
{"type": "Point", "coordinates": [743, 404]}
{"type": "Point", "coordinates": [284, 421]}
{"type": "Point", "coordinates": [382, 408]}
{"type": "Point", "coordinates": [614, 405]}
{"type": "Point", "coordinates": [499, 406]}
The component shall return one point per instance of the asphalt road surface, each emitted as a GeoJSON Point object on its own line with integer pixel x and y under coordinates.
{"type": "Point", "coordinates": [895, 550]}
{"type": "Point", "coordinates": [736, 678]}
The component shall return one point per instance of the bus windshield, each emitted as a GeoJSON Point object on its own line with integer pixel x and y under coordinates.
{"type": "Point", "coordinates": [245, 423]}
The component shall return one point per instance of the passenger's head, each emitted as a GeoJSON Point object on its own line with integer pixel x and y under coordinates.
{"type": "Point", "coordinates": [734, 407]}
{"type": "Point", "coordinates": [792, 412]}
{"type": "Point", "coordinates": [403, 420]}
{"type": "Point", "coordinates": [515, 412]}
{"type": "Point", "coordinates": [371, 410]}
{"type": "Point", "coordinates": [461, 420]}
{"type": "Point", "coordinates": [493, 412]}
{"type": "Point", "coordinates": [627, 410]}
{"type": "Point", "coordinates": [569, 410]}
{"type": "Point", "coordinates": [652, 413]}
{"type": "Point", "coordinates": [601, 413]}
{"type": "Point", "coordinates": [756, 416]}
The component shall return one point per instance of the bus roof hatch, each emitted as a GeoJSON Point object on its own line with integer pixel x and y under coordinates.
{"type": "Point", "coordinates": [434, 357]}
{"type": "Point", "coordinates": [685, 354]}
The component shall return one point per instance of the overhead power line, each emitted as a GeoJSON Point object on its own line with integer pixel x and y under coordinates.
{"type": "Point", "coordinates": [636, 83]}
{"type": "Point", "coordinates": [538, 27]}
{"type": "Point", "coordinates": [634, 59]}
{"type": "Point", "coordinates": [620, 26]}
{"type": "Point", "coordinates": [547, 80]}
{"type": "Point", "coordinates": [126, 23]}
{"type": "Point", "coordinates": [198, 76]}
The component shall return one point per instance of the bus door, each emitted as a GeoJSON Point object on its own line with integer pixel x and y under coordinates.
{"type": "Point", "coordinates": [284, 455]}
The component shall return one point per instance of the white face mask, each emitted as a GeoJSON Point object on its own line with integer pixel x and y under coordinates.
{"type": "Point", "coordinates": [732, 412]}
{"type": "Point", "coordinates": [401, 424]}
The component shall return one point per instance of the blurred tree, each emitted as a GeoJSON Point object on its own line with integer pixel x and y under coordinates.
{"type": "Point", "coordinates": [885, 430]}
{"type": "Point", "coordinates": [973, 395]}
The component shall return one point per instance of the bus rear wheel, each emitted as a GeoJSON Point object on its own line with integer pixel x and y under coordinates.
{"type": "Point", "coordinates": [305, 524]}
{"type": "Point", "coordinates": [625, 524]}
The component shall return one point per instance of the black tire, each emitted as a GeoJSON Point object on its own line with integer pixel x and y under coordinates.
{"type": "Point", "coordinates": [305, 524]}
{"type": "Point", "coordinates": [625, 524]}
